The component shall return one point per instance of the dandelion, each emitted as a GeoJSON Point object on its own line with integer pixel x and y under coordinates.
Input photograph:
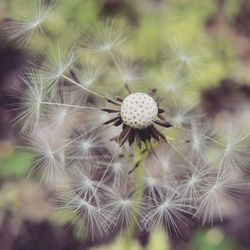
{"type": "Point", "coordinates": [119, 158]}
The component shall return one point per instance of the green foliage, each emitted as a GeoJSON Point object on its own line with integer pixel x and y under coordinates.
{"type": "Point", "coordinates": [212, 239]}
{"type": "Point", "coordinates": [18, 165]}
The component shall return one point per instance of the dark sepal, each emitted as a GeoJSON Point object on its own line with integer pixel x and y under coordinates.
{"type": "Point", "coordinates": [164, 124]}
{"type": "Point", "coordinates": [137, 137]}
{"type": "Point", "coordinates": [154, 133]}
{"type": "Point", "coordinates": [118, 122]}
{"type": "Point", "coordinates": [152, 92]}
{"type": "Point", "coordinates": [159, 133]}
{"type": "Point", "coordinates": [125, 136]}
{"type": "Point", "coordinates": [161, 110]}
{"type": "Point", "coordinates": [111, 110]}
{"type": "Point", "coordinates": [161, 117]}
{"type": "Point", "coordinates": [113, 102]}
{"type": "Point", "coordinates": [119, 99]}
{"type": "Point", "coordinates": [131, 137]}
{"type": "Point", "coordinates": [112, 120]}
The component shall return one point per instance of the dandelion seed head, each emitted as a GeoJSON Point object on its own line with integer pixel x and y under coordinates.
{"type": "Point", "coordinates": [139, 110]}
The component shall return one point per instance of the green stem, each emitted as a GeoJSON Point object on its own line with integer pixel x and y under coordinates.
{"type": "Point", "coordinates": [140, 156]}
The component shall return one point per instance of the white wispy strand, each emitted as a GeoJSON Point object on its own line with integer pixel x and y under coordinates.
{"type": "Point", "coordinates": [88, 74]}
{"type": "Point", "coordinates": [104, 38]}
{"type": "Point", "coordinates": [193, 181]}
{"type": "Point", "coordinates": [48, 164]}
{"type": "Point", "coordinates": [84, 183]}
{"type": "Point", "coordinates": [180, 114]}
{"type": "Point", "coordinates": [89, 148]}
{"type": "Point", "coordinates": [171, 83]}
{"type": "Point", "coordinates": [22, 29]}
{"type": "Point", "coordinates": [128, 70]}
{"type": "Point", "coordinates": [30, 108]}
{"type": "Point", "coordinates": [232, 152]}
{"type": "Point", "coordinates": [119, 169]}
{"type": "Point", "coordinates": [124, 210]}
{"type": "Point", "coordinates": [219, 189]}
{"type": "Point", "coordinates": [59, 67]}
{"type": "Point", "coordinates": [185, 61]}
{"type": "Point", "coordinates": [58, 64]}
{"type": "Point", "coordinates": [70, 141]}
{"type": "Point", "coordinates": [198, 138]}
{"type": "Point", "coordinates": [91, 220]}
{"type": "Point", "coordinates": [169, 211]}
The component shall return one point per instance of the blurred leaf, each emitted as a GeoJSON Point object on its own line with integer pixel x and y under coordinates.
{"type": "Point", "coordinates": [17, 165]}
{"type": "Point", "coordinates": [212, 239]}
{"type": "Point", "coordinates": [158, 240]}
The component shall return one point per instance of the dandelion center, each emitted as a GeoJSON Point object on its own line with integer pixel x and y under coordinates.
{"type": "Point", "coordinates": [139, 110]}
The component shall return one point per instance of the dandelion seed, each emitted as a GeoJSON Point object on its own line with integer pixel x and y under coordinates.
{"type": "Point", "coordinates": [198, 139]}
{"type": "Point", "coordinates": [48, 164]}
{"type": "Point", "coordinates": [193, 181]}
{"type": "Point", "coordinates": [57, 66]}
{"type": "Point", "coordinates": [88, 148]}
{"type": "Point", "coordinates": [171, 83]}
{"type": "Point", "coordinates": [23, 29]}
{"type": "Point", "coordinates": [119, 170]}
{"type": "Point", "coordinates": [232, 151]}
{"type": "Point", "coordinates": [88, 74]}
{"type": "Point", "coordinates": [169, 211]}
{"type": "Point", "coordinates": [30, 109]}
{"type": "Point", "coordinates": [84, 182]}
{"type": "Point", "coordinates": [104, 38]}
{"type": "Point", "coordinates": [90, 219]}
{"type": "Point", "coordinates": [128, 69]}
{"type": "Point", "coordinates": [180, 115]}
{"type": "Point", "coordinates": [186, 61]}
{"type": "Point", "coordinates": [219, 189]}
{"type": "Point", "coordinates": [124, 211]}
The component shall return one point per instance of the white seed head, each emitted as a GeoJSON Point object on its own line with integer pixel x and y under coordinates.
{"type": "Point", "coordinates": [139, 110]}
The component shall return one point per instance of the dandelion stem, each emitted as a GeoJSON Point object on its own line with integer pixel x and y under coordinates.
{"type": "Point", "coordinates": [82, 87]}
{"type": "Point", "coordinates": [69, 105]}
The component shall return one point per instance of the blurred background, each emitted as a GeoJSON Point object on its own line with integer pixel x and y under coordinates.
{"type": "Point", "coordinates": [218, 29]}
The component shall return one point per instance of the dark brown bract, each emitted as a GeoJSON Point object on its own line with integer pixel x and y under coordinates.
{"type": "Point", "coordinates": [132, 134]}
